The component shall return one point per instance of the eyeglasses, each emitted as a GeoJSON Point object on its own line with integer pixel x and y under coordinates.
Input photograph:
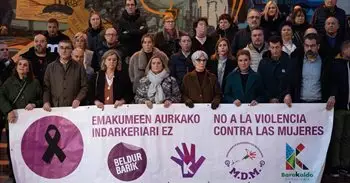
{"type": "Point", "coordinates": [4, 49]}
{"type": "Point", "coordinates": [201, 60]}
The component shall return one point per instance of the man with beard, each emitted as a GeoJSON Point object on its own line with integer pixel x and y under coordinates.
{"type": "Point", "coordinates": [132, 26]}
{"type": "Point", "coordinates": [53, 35]}
{"type": "Point", "coordinates": [311, 72]}
{"type": "Point", "coordinates": [329, 9]}
{"type": "Point", "coordinates": [40, 56]}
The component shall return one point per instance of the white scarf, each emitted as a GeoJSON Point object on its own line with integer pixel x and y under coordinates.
{"type": "Point", "coordinates": [155, 89]}
{"type": "Point", "coordinates": [221, 69]}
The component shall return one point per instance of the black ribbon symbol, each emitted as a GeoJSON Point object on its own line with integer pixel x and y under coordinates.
{"type": "Point", "coordinates": [53, 146]}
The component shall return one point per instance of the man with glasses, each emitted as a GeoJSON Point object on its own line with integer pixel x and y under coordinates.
{"type": "Point", "coordinates": [110, 42]}
{"type": "Point", "coordinates": [242, 38]}
{"type": "Point", "coordinates": [311, 72]}
{"type": "Point", "coordinates": [131, 27]}
{"type": "Point", "coordinates": [65, 81]}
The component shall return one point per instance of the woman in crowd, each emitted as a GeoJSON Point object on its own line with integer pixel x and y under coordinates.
{"type": "Point", "coordinates": [80, 41]}
{"type": "Point", "coordinates": [226, 28]}
{"type": "Point", "coordinates": [167, 40]}
{"type": "Point", "coordinates": [200, 86]}
{"type": "Point", "coordinates": [112, 86]}
{"type": "Point", "coordinates": [271, 19]}
{"type": "Point", "coordinates": [157, 87]}
{"type": "Point", "coordinates": [95, 30]}
{"type": "Point", "coordinates": [299, 26]}
{"type": "Point", "coordinates": [139, 60]}
{"type": "Point", "coordinates": [222, 62]}
{"type": "Point", "coordinates": [243, 85]}
{"type": "Point", "coordinates": [287, 34]}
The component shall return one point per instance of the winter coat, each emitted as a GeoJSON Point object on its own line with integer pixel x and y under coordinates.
{"type": "Point", "coordinates": [94, 38]}
{"type": "Point", "coordinates": [255, 55]}
{"type": "Point", "coordinates": [179, 65]}
{"type": "Point", "coordinates": [340, 82]}
{"type": "Point", "coordinates": [166, 44]}
{"type": "Point", "coordinates": [212, 66]}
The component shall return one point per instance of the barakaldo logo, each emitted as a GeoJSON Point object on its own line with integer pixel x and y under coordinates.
{"type": "Point", "coordinates": [187, 161]}
{"type": "Point", "coordinates": [127, 162]}
{"type": "Point", "coordinates": [244, 161]}
{"type": "Point", "coordinates": [294, 164]}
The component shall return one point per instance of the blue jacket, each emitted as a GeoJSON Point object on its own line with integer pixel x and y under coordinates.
{"type": "Point", "coordinates": [254, 88]}
{"type": "Point", "coordinates": [179, 66]}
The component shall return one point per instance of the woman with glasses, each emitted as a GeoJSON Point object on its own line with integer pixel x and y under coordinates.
{"type": "Point", "coordinates": [167, 40]}
{"type": "Point", "coordinates": [157, 87]}
{"type": "Point", "coordinates": [200, 86]}
{"type": "Point", "coordinates": [243, 85]}
{"type": "Point", "coordinates": [112, 86]}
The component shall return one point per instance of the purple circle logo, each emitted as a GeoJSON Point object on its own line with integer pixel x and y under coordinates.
{"type": "Point", "coordinates": [127, 162]}
{"type": "Point", "coordinates": [52, 147]}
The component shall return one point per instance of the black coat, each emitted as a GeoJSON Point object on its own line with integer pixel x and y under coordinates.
{"type": "Point", "coordinates": [131, 28]}
{"type": "Point", "coordinates": [39, 63]}
{"type": "Point", "coordinates": [271, 27]}
{"type": "Point", "coordinates": [122, 88]}
{"type": "Point", "coordinates": [168, 46]}
{"type": "Point", "coordinates": [328, 52]}
{"type": "Point", "coordinates": [275, 75]}
{"type": "Point", "coordinates": [241, 40]}
{"type": "Point", "coordinates": [228, 33]}
{"type": "Point", "coordinates": [6, 70]}
{"type": "Point", "coordinates": [208, 47]}
{"type": "Point", "coordinates": [295, 84]}
{"type": "Point", "coordinates": [298, 34]}
{"type": "Point", "coordinates": [94, 38]}
{"type": "Point", "coordinates": [101, 49]}
{"type": "Point", "coordinates": [52, 42]}
{"type": "Point", "coordinates": [212, 66]}
{"type": "Point", "coordinates": [179, 66]}
{"type": "Point", "coordinates": [322, 13]}
{"type": "Point", "coordinates": [340, 83]}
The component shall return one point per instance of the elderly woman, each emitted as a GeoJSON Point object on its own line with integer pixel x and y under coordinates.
{"type": "Point", "coordinates": [287, 34]}
{"type": "Point", "coordinates": [299, 26]}
{"type": "Point", "coordinates": [200, 86]}
{"type": "Point", "coordinates": [222, 62]}
{"type": "Point", "coordinates": [157, 86]}
{"type": "Point", "coordinates": [139, 61]}
{"type": "Point", "coordinates": [271, 19]}
{"type": "Point", "coordinates": [80, 41]}
{"type": "Point", "coordinates": [95, 30]}
{"type": "Point", "coordinates": [112, 86]}
{"type": "Point", "coordinates": [243, 85]}
{"type": "Point", "coordinates": [167, 40]}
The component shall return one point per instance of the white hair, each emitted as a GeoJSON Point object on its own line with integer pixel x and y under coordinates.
{"type": "Point", "coordinates": [196, 55]}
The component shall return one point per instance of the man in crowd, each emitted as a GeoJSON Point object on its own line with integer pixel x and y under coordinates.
{"type": "Point", "coordinates": [339, 149]}
{"type": "Point", "coordinates": [65, 81]}
{"type": "Point", "coordinates": [40, 56]}
{"type": "Point", "coordinates": [110, 42]}
{"type": "Point", "coordinates": [329, 9]}
{"type": "Point", "coordinates": [242, 38]}
{"type": "Point", "coordinates": [132, 26]}
{"type": "Point", "coordinates": [257, 47]}
{"type": "Point", "coordinates": [53, 35]}
{"type": "Point", "coordinates": [331, 41]}
{"type": "Point", "coordinates": [274, 70]}
{"type": "Point", "coordinates": [201, 41]}
{"type": "Point", "coordinates": [310, 84]}
{"type": "Point", "coordinates": [180, 63]}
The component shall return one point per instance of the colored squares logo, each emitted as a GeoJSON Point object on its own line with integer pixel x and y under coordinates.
{"type": "Point", "coordinates": [292, 161]}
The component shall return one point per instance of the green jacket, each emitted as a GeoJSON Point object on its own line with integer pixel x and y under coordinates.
{"type": "Point", "coordinates": [10, 89]}
{"type": "Point", "coordinates": [234, 90]}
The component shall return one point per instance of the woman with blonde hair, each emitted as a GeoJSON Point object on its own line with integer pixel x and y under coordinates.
{"type": "Point", "coordinates": [80, 41]}
{"type": "Point", "coordinates": [112, 86]}
{"type": "Point", "coordinates": [157, 86]}
{"type": "Point", "coordinates": [271, 19]}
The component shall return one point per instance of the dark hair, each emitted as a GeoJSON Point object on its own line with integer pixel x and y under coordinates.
{"type": "Point", "coordinates": [257, 28]}
{"type": "Point", "coordinates": [149, 35]}
{"type": "Point", "coordinates": [275, 39]}
{"type": "Point", "coordinates": [286, 23]}
{"type": "Point", "coordinates": [225, 17]}
{"type": "Point", "coordinates": [185, 35]}
{"type": "Point", "coordinates": [93, 12]}
{"type": "Point", "coordinates": [68, 41]}
{"type": "Point", "coordinates": [312, 36]}
{"type": "Point", "coordinates": [134, 2]}
{"type": "Point", "coordinates": [53, 20]}
{"type": "Point", "coordinates": [345, 45]}
{"type": "Point", "coordinates": [215, 56]}
{"type": "Point", "coordinates": [195, 23]}
{"type": "Point", "coordinates": [30, 75]}
{"type": "Point", "coordinates": [296, 12]}
{"type": "Point", "coordinates": [243, 52]}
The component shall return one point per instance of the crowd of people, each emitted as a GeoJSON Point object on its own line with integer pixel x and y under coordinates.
{"type": "Point", "coordinates": [275, 59]}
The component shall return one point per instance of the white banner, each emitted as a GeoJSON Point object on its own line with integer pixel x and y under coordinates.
{"type": "Point", "coordinates": [267, 143]}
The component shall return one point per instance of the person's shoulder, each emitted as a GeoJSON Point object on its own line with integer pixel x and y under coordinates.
{"type": "Point", "coordinates": [144, 80]}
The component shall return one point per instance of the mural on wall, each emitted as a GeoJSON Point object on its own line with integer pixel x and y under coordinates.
{"type": "Point", "coordinates": [42, 10]}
